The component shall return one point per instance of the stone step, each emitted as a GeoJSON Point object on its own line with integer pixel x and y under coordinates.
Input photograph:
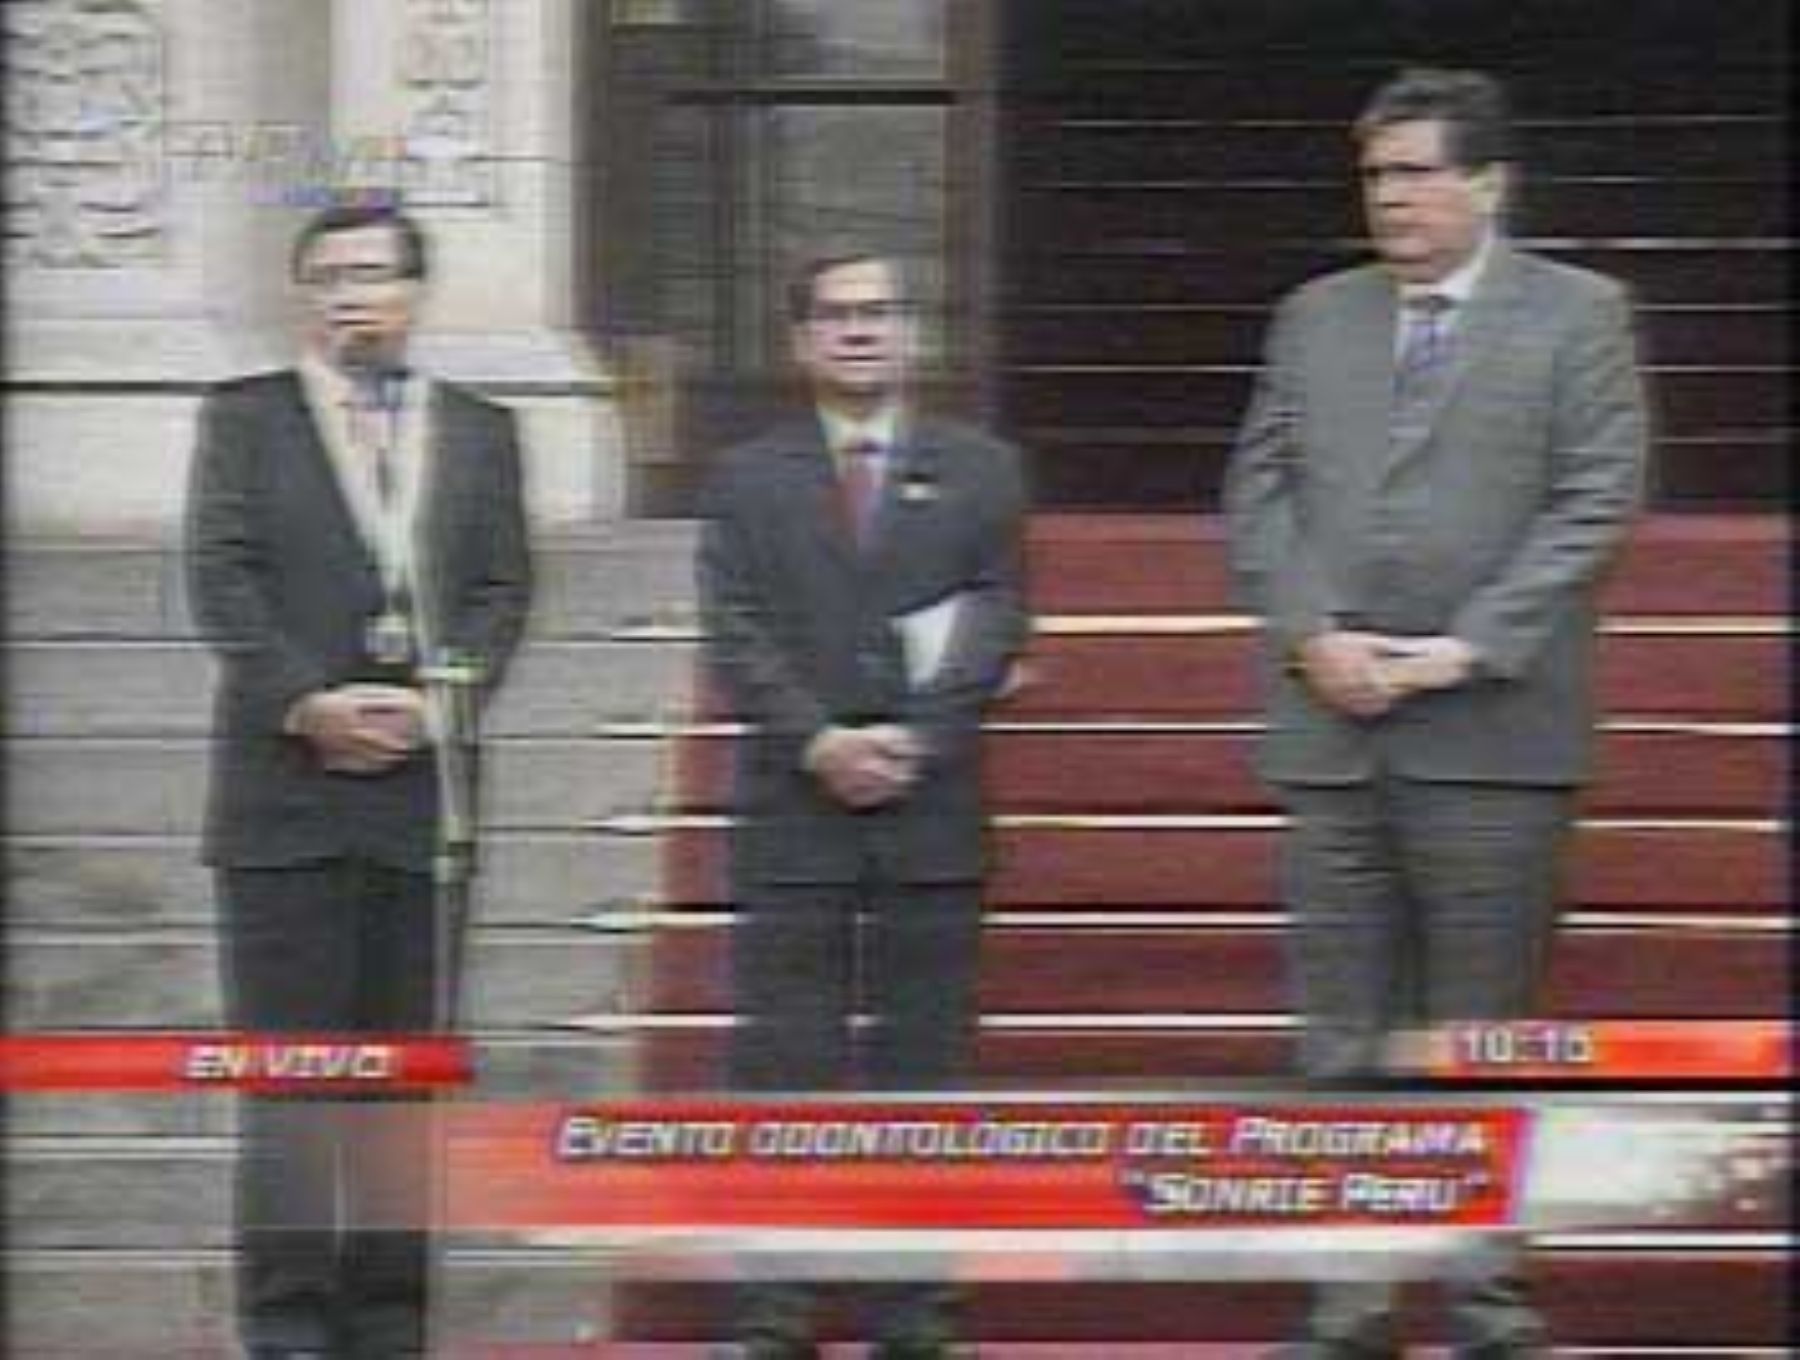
{"type": "Point", "coordinates": [591, 583]}
{"type": "Point", "coordinates": [169, 980]}
{"type": "Point", "coordinates": [84, 881]}
{"type": "Point", "coordinates": [117, 1304]}
{"type": "Point", "coordinates": [595, 583]}
{"type": "Point", "coordinates": [156, 785]}
{"type": "Point", "coordinates": [87, 688]}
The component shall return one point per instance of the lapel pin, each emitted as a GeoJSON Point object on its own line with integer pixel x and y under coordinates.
{"type": "Point", "coordinates": [917, 490]}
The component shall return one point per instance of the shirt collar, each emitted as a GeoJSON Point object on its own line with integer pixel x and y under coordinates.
{"type": "Point", "coordinates": [1458, 286]}
{"type": "Point", "coordinates": [331, 384]}
{"type": "Point", "coordinates": [322, 379]}
{"type": "Point", "coordinates": [880, 428]}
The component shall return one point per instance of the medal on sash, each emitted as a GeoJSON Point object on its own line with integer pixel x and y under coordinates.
{"type": "Point", "coordinates": [387, 640]}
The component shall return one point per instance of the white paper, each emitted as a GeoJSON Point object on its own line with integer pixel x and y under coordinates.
{"type": "Point", "coordinates": [925, 638]}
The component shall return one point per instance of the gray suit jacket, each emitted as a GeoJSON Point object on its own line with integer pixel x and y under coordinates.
{"type": "Point", "coordinates": [282, 585]}
{"type": "Point", "coordinates": [800, 635]}
{"type": "Point", "coordinates": [1494, 525]}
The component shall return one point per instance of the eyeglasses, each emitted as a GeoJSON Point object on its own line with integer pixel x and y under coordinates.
{"type": "Point", "coordinates": [1403, 172]}
{"type": "Point", "coordinates": [843, 313]}
{"type": "Point", "coordinates": [329, 276]}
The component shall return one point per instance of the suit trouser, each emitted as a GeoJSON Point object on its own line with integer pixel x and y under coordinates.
{"type": "Point", "coordinates": [805, 959]}
{"type": "Point", "coordinates": [1418, 902]}
{"type": "Point", "coordinates": [325, 1183]}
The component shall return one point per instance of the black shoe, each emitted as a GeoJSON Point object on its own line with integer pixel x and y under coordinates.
{"type": "Point", "coordinates": [1335, 1350]}
{"type": "Point", "coordinates": [922, 1348]}
{"type": "Point", "coordinates": [768, 1348]}
{"type": "Point", "coordinates": [290, 1350]}
{"type": "Point", "coordinates": [1532, 1347]}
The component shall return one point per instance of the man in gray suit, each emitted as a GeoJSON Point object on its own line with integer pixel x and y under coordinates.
{"type": "Point", "coordinates": [350, 522]}
{"type": "Point", "coordinates": [1442, 454]}
{"type": "Point", "coordinates": [859, 577]}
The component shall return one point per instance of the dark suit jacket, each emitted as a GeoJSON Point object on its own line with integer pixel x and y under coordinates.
{"type": "Point", "coordinates": [283, 585]}
{"type": "Point", "coordinates": [1494, 525]}
{"type": "Point", "coordinates": [800, 635]}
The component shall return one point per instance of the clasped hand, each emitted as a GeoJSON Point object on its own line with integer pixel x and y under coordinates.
{"type": "Point", "coordinates": [361, 729]}
{"type": "Point", "coordinates": [1365, 674]}
{"type": "Point", "coordinates": [865, 767]}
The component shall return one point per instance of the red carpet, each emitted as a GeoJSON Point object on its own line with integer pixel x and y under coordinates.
{"type": "Point", "coordinates": [1133, 832]}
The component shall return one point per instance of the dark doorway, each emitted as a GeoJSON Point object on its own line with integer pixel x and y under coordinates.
{"type": "Point", "coordinates": [1167, 168]}
{"type": "Point", "coordinates": [731, 139]}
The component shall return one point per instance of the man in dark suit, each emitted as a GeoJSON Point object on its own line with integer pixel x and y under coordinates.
{"type": "Point", "coordinates": [859, 577]}
{"type": "Point", "coordinates": [1442, 454]}
{"type": "Point", "coordinates": [349, 521]}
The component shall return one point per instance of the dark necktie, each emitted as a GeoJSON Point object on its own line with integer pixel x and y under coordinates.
{"type": "Point", "coordinates": [1424, 360]}
{"type": "Point", "coordinates": [859, 476]}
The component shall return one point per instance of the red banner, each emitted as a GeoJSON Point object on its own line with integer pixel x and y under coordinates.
{"type": "Point", "coordinates": [1541, 1051]}
{"type": "Point", "coordinates": [976, 1165]}
{"type": "Point", "coordinates": [235, 1061]}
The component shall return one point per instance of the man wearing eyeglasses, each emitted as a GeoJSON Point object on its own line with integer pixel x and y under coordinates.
{"type": "Point", "coordinates": [859, 579]}
{"type": "Point", "coordinates": [1443, 453]}
{"type": "Point", "coordinates": [354, 528]}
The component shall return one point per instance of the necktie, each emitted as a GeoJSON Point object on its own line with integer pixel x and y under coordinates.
{"type": "Point", "coordinates": [373, 414]}
{"type": "Point", "coordinates": [1424, 359]}
{"type": "Point", "coordinates": [859, 476]}
{"type": "Point", "coordinates": [388, 637]}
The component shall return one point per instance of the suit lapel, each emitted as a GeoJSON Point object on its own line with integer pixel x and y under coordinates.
{"type": "Point", "coordinates": [442, 461]}
{"type": "Point", "coordinates": [300, 437]}
{"type": "Point", "coordinates": [810, 491]}
{"type": "Point", "coordinates": [1360, 350]}
{"type": "Point", "coordinates": [913, 479]}
{"type": "Point", "coordinates": [1486, 317]}
{"type": "Point", "coordinates": [912, 465]}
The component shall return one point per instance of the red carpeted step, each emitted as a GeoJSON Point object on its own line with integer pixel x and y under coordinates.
{"type": "Point", "coordinates": [1688, 867]}
{"type": "Point", "coordinates": [1612, 867]}
{"type": "Point", "coordinates": [1651, 1298]}
{"type": "Point", "coordinates": [1594, 973]}
{"type": "Point", "coordinates": [1068, 1058]}
{"type": "Point", "coordinates": [1639, 773]}
{"type": "Point", "coordinates": [1689, 402]}
{"type": "Point", "coordinates": [1154, 677]}
{"type": "Point", "coordinates": [1207, 1004]}
{"type": "Point", "coordinates": [1174, 564]}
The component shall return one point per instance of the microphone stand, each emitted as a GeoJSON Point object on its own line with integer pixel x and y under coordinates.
{"type": "Point", "coordinates": [450, 680]}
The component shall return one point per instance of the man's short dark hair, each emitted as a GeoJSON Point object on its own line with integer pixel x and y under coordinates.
{"type": "Point", "coordinates": [353, 211]}
{"type": "Point", "coordinates": [803, 287]}
{"type": "Point", "coordinates": [1471, 106]}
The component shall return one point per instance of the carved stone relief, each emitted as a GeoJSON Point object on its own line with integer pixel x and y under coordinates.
{"type": "Point", "coordinates": [85, 128]}
{"type": "Point", "coordinates": [446, 75]}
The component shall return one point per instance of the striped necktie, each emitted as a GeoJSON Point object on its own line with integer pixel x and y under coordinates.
{"type": "Point", "coordinates": [1423, 361]}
